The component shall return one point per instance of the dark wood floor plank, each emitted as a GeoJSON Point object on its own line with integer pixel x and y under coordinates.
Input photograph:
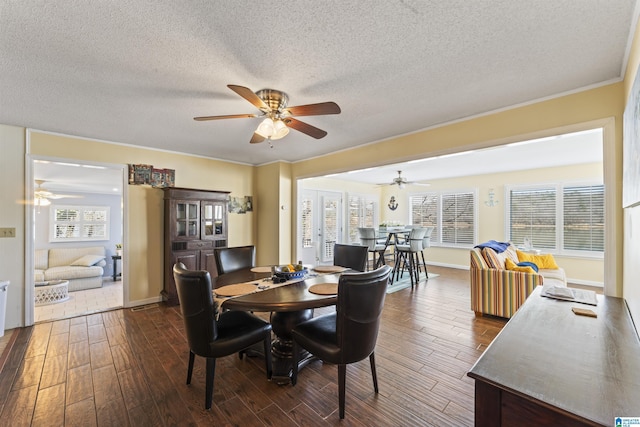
{"type": "Point", "coordinates": [79, 354]}
{"type": "Point", "coordinates": [97, 333]}
{"type": "Point", "coordinates": [19, 406]}
{"type": "Point", "coordinates": [112, 413]}
{"type": "Point", "coordinates": [79, 384]}
{"type": "Point", "coordinates": [100, 354]}
{"type": "Point", "coordinates": [50, 403]}
{"type": "Point", "coordinates": [29, 372]}
{"type": "Point", "coordinates": [80, 414]}
{"type": "Point", "coordinates": [54, 371]}
{"type": "Point", "coordinates": [60, 327]}
{"type": "Point", "coordinates": [78, 332]}
{"type": "Point", "coordinates": [58, 344]}
{"type": "Point", "coordinates": [105, 385]}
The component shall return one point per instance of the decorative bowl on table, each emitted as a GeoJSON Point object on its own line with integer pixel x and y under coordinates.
{"type": "Point", "coordinates": [287, 273]}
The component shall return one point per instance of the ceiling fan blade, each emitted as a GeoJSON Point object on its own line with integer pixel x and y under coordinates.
{"type": "Point", "coordinates": [231, 116]}
{"type": "Point", "coordinates": [248, 94]}
{"type": "Point", "coordinates": [64, 196]}
{"type": "Point", "coordinates": [256, 138]}
{"type": "Point", "coordinates": [314, 109]}
{"type": "Point", "coordinates": [305, 128]}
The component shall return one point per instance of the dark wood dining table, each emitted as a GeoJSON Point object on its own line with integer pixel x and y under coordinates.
{"type": "Point", "coordinates": [289, 304]}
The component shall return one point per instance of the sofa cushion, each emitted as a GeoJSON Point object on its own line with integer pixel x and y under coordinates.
{"type": "Point", "coordinates": [38, 276]}
{"type": "Point", "coordinates": [477, 260]}
{"type": "Point", "coordinates": [546, 261]}
{"type": "Point", "coordinates": [496, 260]}
{"type": "Point", "coordinates": [65, 256]}
{"type": "Point", "coordinates": [72, 272]}
{"type": "Point", "coordinates": [510, 265]}
{"type": "Point", "coordinates": [556, 273]}
{"type": "Point", "coordinates": [87, 260]}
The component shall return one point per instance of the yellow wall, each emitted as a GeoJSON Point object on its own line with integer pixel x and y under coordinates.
{"type": "Point", "coordinates": [144, 204]}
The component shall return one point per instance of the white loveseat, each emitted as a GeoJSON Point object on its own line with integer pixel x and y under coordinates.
{"type": "Point", "coordinates": [82, 267]}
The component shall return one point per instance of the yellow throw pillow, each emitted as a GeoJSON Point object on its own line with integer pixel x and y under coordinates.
{"type": "Point", "coordinates": [513, 266]}
{"type": "Point", "coordinates": [542, 261]}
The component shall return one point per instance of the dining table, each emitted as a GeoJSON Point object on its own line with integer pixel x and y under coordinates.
{"type": "Point", "coordinates": [289, 304]}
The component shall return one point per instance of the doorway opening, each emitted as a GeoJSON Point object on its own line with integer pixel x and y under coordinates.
{"type": "Point", "coordinates": [75, 210]}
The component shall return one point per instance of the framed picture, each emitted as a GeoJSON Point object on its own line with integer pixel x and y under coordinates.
{"type": "Point", "coordinates": [631, 148]}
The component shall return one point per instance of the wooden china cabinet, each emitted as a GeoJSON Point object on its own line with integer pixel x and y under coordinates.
{"type": "Point", "coordinates": [195, 222]}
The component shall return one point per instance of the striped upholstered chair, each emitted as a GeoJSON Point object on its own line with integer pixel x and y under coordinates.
{"type": "Point", "coordinates": [498, 291]}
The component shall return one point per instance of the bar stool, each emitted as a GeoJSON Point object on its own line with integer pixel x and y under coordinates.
{"type": "Point", "coordinates": [368, 239]}
{"type": "Point", "coordinates": [426, 243]}
{"type": "Point", "coordinates": [408, 255]}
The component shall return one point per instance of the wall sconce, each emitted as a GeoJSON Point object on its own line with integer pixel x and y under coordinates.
{"type": "Point", "coordinates": [491, 202]}
{"type": "Point", "coordinates": [393, 205]}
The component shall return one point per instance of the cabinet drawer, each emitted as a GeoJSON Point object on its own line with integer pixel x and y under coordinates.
{"type": "Point", "coordinates": [199, 245]}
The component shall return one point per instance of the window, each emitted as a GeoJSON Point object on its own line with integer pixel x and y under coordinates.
{"type": "Point", "coordinates": [566, 219]}
{"type": "Point", "coordinates": [361, 212]}
{"type": "Point", "coordinates": [79, 223]}
{"type": "Point", "coordinates": [453, 214]}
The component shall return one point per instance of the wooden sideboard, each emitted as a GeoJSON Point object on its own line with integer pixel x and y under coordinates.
{"type": "Point", "coordinates": [549, 366]}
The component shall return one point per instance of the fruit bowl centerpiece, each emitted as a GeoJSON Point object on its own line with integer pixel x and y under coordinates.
{"type": "Point", "coordinates": [290, 271]}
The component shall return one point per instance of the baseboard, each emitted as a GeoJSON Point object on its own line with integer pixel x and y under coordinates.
{"type": "Point", "coordinates": [143, 301]}
{"type": "Point", "coordinates": [442, 264]}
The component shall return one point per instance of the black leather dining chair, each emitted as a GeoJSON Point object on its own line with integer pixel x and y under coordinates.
{"type": "Point", "coordinates": [350, 256]}
{"type": "Point", "coordinates": [234, 259]}
{"type": "Point", "coordinates": [232, 332]}
{"type": "Point", "coordinates": [349, 334]}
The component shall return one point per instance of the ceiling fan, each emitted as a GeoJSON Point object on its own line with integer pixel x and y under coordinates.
{"type": "Point", "coordinates": [43, 197]}
{"type": "Point", "coordinates": [401, 181]}
{"type": "Point", "coordinates": [278, 118]}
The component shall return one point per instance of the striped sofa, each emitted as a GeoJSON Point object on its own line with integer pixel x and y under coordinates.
{"type": "Point", "coordinates": [500, 292]}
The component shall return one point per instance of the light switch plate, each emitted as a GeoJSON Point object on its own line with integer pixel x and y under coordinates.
{"type": "Point", "coordinates": [8, 232]}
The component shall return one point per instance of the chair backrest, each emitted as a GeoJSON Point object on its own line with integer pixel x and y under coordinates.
{"type": "Point", "coordinates": [368, 237]}
{"type": "Point", "coordinates": [196, 304]}
{"type": "Point", "coordinates": [358, 310]}
{"type": "Point", "coordinates": [415, 239]}
{"type": "Point", "coordinates": [426, 241]}
{"type": "Point", "coordinates": [350, 256]}
{"type": "Point", "coordinates": [233, 259]}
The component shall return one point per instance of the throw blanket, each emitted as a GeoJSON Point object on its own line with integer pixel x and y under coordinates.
{"type": "Point", "coordinates": [496, 246]}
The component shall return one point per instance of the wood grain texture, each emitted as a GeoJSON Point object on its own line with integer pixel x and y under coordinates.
{"type": "Point", "coordinates": [129, 368]}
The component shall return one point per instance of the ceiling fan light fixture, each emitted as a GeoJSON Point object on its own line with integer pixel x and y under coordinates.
{"type": "Point", "coordinates": [280, 130]}
{"type": "Point", "coordinates": [266, 128]}
{"type": "Point", "coordinates": [41, 201]}
{"type": "Point", "coordinates": [401, 185]}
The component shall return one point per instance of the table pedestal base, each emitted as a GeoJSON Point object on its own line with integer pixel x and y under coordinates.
{"type": "Point", "coordinates": [282, 345]}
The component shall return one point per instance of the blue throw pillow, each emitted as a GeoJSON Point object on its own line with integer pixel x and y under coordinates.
{"type": "Point", "coordinates": [528, 264]}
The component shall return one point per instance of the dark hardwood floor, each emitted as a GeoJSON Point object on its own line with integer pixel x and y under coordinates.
{"type": "Point", "coordinates": [129, 367]}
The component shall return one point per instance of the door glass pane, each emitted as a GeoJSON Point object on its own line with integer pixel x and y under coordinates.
{"type": "Point", "coordinates": [181, 228]}
{"type": "Point", "coordinates": [193, 228]}
{"type": "Point", "coordinates": [193, 211]}
{"type": "Point", "coordinates": [181, 209]}
{"type": "Point", "coordinates": [208, 212]}
{"type": "Point", "coordinates": [208, 228]}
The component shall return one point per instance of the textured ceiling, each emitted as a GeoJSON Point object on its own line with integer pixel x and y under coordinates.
{"type": "Point", "coordinates": [137, 72]}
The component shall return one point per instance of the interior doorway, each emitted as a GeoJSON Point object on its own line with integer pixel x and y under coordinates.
{"type": "Point", "coordinates": [90, 196]}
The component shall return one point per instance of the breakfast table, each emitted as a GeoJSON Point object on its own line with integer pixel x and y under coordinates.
{"type": "Point", "coordinates": [290, 303]}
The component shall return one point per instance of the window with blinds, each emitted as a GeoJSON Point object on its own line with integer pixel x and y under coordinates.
{"type": "Point", "coordinates": [583, 226]}
{"type": "Point", "coordinates": [452, 214]}
{"type": "Point", "coordinates": [533, 216]}
{"type": "Point", "coordinates": [79, 223]}
{"type": "Point", "coordinates": [307, 223]}
{"type": "Point", "coordinates": [565, 219]}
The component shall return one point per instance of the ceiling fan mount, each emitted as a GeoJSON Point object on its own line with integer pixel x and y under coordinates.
{"type": "Point", "coordinates": [401, 181]}
{"type": "Point", "coordinates": [278, 118]}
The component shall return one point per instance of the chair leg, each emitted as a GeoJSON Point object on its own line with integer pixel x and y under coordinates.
{"type": "Point", "coordinates": [294, 371]}
{"type": "Point", "coordinates": [426, 273]}
{"type": "Point", "coordinates": [192, 357]}
{"type": "Point", "coordinates": [372, 362]}
{"type": "Point", "coordinates": [267, 355]}
{"type": "Point", "coordinates": [342, 379]}
{"type": "Point", "coordinates": [208, 392]}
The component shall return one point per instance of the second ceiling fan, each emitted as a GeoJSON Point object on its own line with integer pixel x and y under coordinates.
{"type": "Point", "coordinates": [401, 181]}
{"type": "Point", "coordinates": [278, 118]}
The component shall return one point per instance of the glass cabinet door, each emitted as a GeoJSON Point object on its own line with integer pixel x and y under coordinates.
{"type": "Point", "coordinates": [187, 220]}
{"type": "Point", "coordinates": [213, 220]}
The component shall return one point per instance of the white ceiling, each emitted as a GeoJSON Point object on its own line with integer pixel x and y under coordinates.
{"type": "Point", "coordinates": [137, 72]}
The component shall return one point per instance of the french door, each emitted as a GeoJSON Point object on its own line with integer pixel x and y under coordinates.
{"type": "Point", "coordinates": [319, 225]}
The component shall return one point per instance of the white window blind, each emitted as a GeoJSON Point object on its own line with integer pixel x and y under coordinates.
{"type": "Point", "coordinates": [79, 223]}
{"type": "Point", "coordinates": [458, 219]}
{"type": "Point", "coordinates": [452, 214]}
{"type": "Point", "coordinates": [583, 218]}
{"type": "Point", "coordinates": [533, 215]}
{"type": "Point", "coordinates": [361, 212]}
{"type": "Point", "coordinates": [307, 223]}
